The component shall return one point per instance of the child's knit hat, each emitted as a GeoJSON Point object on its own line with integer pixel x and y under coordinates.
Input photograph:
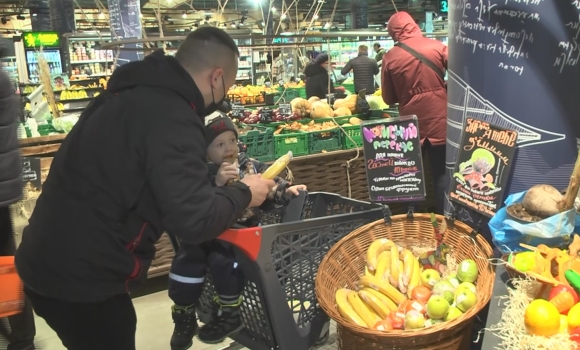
{"type": "Point", "coordinates": [217, 126]}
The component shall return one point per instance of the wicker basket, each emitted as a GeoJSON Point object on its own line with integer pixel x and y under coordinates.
{"type": "Point", "coordinates": [345, 262]}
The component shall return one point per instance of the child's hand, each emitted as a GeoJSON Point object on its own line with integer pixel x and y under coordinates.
{"type": "Point", "coordinates": [225, 173]}
{"type": "Point", "coordinates": [293, 190]}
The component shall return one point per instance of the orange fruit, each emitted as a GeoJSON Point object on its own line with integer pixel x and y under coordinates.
{"type": "Point", "coordinates": [542, 318]}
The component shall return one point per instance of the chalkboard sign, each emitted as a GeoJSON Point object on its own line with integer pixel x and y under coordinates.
{"type": "Point", "coordinates": [392, 150]}
{"type": "Point", "coordinates": [285, 109]}
{"type": "Point", "coordinates": [31, 171]}
{"type": "Point", "coordinates": [266, 115]}
{"type": "Point", "coordinates": [483, 166]}
{"type": "Point", "coordinates": [237, 111]}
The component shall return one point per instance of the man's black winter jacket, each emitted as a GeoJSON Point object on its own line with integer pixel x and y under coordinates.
{"type": "Point", "coordinates": [133, 167]}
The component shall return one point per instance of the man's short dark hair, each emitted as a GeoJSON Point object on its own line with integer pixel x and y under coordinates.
{"type": "Point", "coordinates": [377, 45]}
{"type": "Point", "coordinates": [201, 44]}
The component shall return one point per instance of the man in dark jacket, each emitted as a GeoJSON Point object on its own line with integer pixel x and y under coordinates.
{"type": "Point", "coordinates": [22, 330]}
{"type": "Point", "coordinates": [364, 70]}
{"type": "Point", "coordinates": [380, 52]}
{"type": "Point", "coordinates": [133, 167]}
{"type": "Point", "coordinates": [317, 82]}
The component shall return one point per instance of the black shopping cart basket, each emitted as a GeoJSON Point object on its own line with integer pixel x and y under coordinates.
{"type": "Point", "coordinates": [280, 260]}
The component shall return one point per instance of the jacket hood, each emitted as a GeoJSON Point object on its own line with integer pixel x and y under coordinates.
{"type": "Point", "coordinates": [314, 69]}
{"type": "Point", "coordinates": [402, 26]}
{"type": "Point", "coordinates": [158, 70]}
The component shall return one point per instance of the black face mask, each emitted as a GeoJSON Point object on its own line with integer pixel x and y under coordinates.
{"type": "Point", "coordinates": [221, 105]}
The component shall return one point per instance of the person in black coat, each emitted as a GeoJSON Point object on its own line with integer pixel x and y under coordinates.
{"type": "Point", "coordinates": [22, 329]}
{"type": "Point", "coordinates": [133, 167]}
{"type": "Point", "coordinates": [317, 77]}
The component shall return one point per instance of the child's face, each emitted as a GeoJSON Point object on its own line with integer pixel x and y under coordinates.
{"type": "Point", "coordinates": [225, 145]}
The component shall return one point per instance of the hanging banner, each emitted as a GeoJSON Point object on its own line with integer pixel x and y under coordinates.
{"type": "Point", "coordinates": [514, 64]}
{"type": "Point", "coordinates": [125, 18]}
{"type": "Point", "coordinates": [40, 15]}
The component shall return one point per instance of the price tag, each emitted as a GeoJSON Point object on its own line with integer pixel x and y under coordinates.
{"type": "Point", "coordinates": [237, 111]}
{"type": "Point", "coordinates": [285, 109]}
{"type": "Point", "coordinates": [31, 171]}
{"type": "Point", "coordinates": [266, 115]}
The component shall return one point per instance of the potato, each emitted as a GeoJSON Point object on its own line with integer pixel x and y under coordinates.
{"type": "Point", "coordinates": [354, 121]}
{"type": "Point", "coordinates": [542, 200]}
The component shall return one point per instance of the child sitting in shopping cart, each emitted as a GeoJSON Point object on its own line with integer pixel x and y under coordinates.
{"type": "Point", "coordinates": [227, 162]}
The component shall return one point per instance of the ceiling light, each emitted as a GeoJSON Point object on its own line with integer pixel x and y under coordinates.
{"type": "Point", "coordinates": [283, 16]}
{"type": "Point", "coordinates": [273, 9]}
{"type": "Point", "coordinates": [315, 16]}
{"type": "Point", "coordinates": [327, 25]}
{"type": "Point", "coordinates": [101, 14]}
{"type": "Point", "coordinates": [233, 24]}
{"type": "Point", "coordinates": [263, 23]}
{"type": "Point", "coordinates": [184, 15]}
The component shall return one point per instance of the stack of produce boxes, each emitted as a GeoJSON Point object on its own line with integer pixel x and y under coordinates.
{"type": "Point", "coordinates": [270, 133]}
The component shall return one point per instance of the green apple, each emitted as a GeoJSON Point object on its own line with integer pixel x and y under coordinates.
{"type": "Point", "coordinates": [445, 289]}
{"type": "Point", "coordinates": [453, 280]}
{"type": "Point", "coordinates": [464, 285]}
{"type": "Point", "coordinates": [431, 322]}
{"type": "Point", "coordinates": [467, 271]}
{"type": "Point", "coordinates": [453, 313]}
{"type": "Point", "coordinates": [414, 320]}
{"type": "Point", "coordinates": [430, 277]}
{"type": "Point", "coordinates": [437, 307]}
{"type": "Point", "coordinates": [465, 299]}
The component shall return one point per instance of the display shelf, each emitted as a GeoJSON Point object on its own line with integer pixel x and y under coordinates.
{"type": "Point", "coordinates": [85, 56]}
{"type": "Point", "coordinates": [10, 66]}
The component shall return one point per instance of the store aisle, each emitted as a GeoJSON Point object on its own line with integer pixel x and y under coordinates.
{"type": "Point", "coordinates": [154, 326]}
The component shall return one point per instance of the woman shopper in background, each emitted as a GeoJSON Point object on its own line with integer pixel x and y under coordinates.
{"type": "Point", "coordinates": [413, 76]}
{"type": "Point", "coordinates": [22, 329]}
{"type": "Point", "coordinates": [317, 77]}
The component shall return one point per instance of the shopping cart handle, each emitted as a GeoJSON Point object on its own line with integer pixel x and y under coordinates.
{"type": "Point", "coordinates": [247, 239]}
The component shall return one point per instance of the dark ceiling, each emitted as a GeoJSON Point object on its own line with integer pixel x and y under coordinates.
{"type": "Point", "coordinates": [379, 11]}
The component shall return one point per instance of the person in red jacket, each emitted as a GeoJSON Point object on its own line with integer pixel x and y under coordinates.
{"type": "Point", "coordinates": [413, 76]}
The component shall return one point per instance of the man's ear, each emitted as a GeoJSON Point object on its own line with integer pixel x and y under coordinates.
{"type": "Point", "coordinates": [216, 77]}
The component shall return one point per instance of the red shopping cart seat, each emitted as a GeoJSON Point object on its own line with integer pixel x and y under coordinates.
{"type": "Point", "coordinates": [11, 294]}
{"type": "Point", "coordinates": [248, 240]}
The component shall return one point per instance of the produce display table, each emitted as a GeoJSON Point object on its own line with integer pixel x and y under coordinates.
{"type": "Point", "coordinates": [496, 306]}
{"type": "Point", "coordinates": [40, 146]}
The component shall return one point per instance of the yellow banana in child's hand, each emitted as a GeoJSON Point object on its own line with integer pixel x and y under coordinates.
{"type": "Point", "coordinates": [375, 249]}
{"type": "Point", "coordinates": [363, 310]}
{"type": "Point", "coordinates": [383, 266]}
{"type": "Point", "coordinates": [375, 303]}
{"type": "Point", "coordinates": [383, 287]}
{"type": "Point", "coordinates": [345, 309]}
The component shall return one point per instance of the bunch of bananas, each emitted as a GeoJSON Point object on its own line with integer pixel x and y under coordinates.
{"type": "Point", "coordinates": [73, 95]}
{"type": "Point", "coordinates": [391, 273]}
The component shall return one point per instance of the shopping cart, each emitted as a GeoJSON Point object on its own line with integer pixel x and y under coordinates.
{"type": "Point", "coordinates": [280, 260]}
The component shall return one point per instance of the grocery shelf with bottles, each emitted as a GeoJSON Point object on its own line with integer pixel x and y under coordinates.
{"type": "Point", "coordinates": [84, 56]}
{"type": "Point", "coordinates": [45, 43]}
{"type": "Point", "coordinates": [10, 66]}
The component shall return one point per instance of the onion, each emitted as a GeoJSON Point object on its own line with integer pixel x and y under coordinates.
{"type": "Point", "coordinates": [542, 200]}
